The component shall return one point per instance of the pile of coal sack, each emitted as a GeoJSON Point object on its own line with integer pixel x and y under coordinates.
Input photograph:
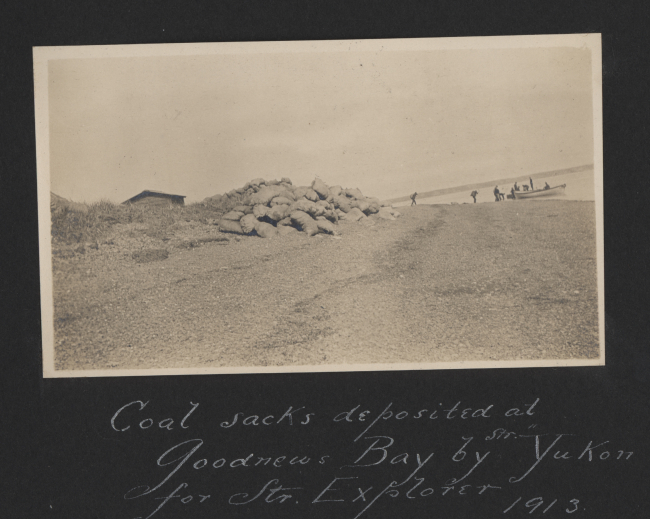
{"type": "Point", "coordinates": [269, 208]}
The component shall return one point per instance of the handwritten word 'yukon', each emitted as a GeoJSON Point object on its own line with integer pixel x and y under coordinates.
{"type": "Point", "coordinates": [589, 453]}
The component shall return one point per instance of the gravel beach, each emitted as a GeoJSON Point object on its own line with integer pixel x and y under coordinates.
{"type": "Point", "coordinates": [501, 281]}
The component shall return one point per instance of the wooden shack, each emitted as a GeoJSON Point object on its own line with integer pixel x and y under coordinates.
{"type": "Point", "coordinates": [149, 197]}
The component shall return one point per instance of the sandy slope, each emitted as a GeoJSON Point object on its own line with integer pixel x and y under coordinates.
{"type": "Point", "coordinates": [514, 280]}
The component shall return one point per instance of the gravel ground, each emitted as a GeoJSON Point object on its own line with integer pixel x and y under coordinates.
{"type": "Point", "coordinates": [506, 281]}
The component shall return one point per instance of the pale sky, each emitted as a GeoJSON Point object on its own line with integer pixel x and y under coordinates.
{"type": "Point", "coordinates": [387, 122]}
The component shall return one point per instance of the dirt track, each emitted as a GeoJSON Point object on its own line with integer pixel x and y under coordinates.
{"type": "Point", "coordinates": [507, 281]}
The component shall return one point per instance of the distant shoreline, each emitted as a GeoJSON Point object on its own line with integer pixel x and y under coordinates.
{"type": "Point", "coordinates": [465, 187]}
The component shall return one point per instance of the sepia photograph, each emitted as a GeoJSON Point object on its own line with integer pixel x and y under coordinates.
{"type": "Point", "coordinates": [307, 206]}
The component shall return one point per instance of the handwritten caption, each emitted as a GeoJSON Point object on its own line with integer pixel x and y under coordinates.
{"type": "Point", "coordinates": [373, 458]}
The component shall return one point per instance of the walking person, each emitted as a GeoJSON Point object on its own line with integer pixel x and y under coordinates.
{"type": "Point", "coordinates": [496, 194]}
{"type": "Point", "coordinates": [413, 202]}
{"type": "Point", "coordinates": [473, 195]}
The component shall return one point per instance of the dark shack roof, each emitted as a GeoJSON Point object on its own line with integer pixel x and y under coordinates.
{"type": "Point", "coordinates": [179, 199]}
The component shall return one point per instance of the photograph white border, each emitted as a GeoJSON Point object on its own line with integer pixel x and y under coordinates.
{"type": "Point", "coordinates": [42, 55]}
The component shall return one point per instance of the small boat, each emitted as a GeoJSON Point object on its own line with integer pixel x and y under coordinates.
{"type": "Point", "coordinates": [553, 191]}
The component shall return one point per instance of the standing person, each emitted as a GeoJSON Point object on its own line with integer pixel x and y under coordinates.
{"type": "Point", "coordinates": [531, 183]}
{"type": "Point", "coordinates": [413, 202]}
{"type": "Point", "coordinates": [516, 187]}
{"type": "Point", "coordinates": [473, 195]}
{"type": "Point", "coordinates": [496, 193]}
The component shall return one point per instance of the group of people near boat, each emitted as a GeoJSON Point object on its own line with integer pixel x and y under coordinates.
{"type": "Point", "coordinates": [499, 196]}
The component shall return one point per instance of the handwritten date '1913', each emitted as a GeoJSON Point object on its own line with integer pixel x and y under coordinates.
{"type": "Point", "coordinates": [537, 502]}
